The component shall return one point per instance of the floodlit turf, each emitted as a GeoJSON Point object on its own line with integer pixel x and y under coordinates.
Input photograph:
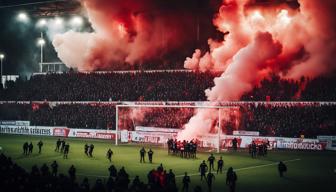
{"type": "Point", "coordinates": [307, 171]}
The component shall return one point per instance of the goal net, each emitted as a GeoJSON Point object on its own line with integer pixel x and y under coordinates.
{"type": "Point", "coordinates": [155, 123]}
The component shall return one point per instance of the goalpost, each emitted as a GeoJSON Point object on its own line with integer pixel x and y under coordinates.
{"type": "Point", "coordinates": [218, 107]}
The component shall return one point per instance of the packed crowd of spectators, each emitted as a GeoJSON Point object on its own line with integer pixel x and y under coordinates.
{"type": "Point", "coordinates": [305, 89]}
{"type": "Point", "coordinates": [148, 86]}
{"type": "Point", "coordinates": [290, 121]}
{"type": "Point", "coordinates": [70, 115]}
{"type": "Point", "coordinates": [158, 86]}
{"type": "Point", "coordinates": [167, 117]}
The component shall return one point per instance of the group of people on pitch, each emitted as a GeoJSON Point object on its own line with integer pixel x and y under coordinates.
{"type": "Point", "coordinates": [258, 149]}
{"type": "Point", "coordinates": [183, 148]}
{"type": "Point", "coordinates": [63, 147]}
{"type": "Point", "coordinates": [28, 148]}
{"type": "Point", "coordinates": [231, 176]}
{"type": "Point", "coordinates": [143, 153]}
{"type": "Point", "coordinates": [88, 149]}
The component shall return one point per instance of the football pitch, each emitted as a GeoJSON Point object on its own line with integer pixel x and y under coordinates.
{"type": "Point", "coordinates": [307, 170]}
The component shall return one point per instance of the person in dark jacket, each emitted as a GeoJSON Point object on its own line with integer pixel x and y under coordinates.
{"type": "Point", "coordinates": [185, 181]}
{"type": "Point", "coordinates": [142, 155]}
{"type": "Point", "coordinates": [54, 168]}
{"type": "Point", "coordinates": [150, 155]}
{"type": "Point", "coordinates": [282, 168]}
{"type": "Point", "coordinates": [231, 179]}
{"type": "Point", "coordinates": [86, 149]}
{"type": "Point", "coordinates": [220, 164]}
{"type": "Point", "coordinates": [210, 178]}
{"type": "Point", "coordinates": [91, 150]}
{"type": "Point", "coordinates": [30, 148]}
{"type": "Point", "coordinates": [211, 160]}
{"type": "Point", "coordinates": [40, 144]}
{"type": "Point", "coordinates": [203, 168]}
{"type": "Point", "coordinates": [109, 155]}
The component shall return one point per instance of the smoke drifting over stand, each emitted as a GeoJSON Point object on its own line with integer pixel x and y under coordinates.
{"type": "Point", "coordinates": [128, 32]}
{"type": "Point", "coordinates": [263, 39]}
{"type": "Point", "coordinates": [287, 38]}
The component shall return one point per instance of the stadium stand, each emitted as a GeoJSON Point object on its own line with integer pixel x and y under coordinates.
{"type": "Point", "coordinates": [157, 86]}
{"type": "Point", "coordinates": [149, 86]}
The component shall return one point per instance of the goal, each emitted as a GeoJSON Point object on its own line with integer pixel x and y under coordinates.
{"type": "Point", "coordinates": [156, 122]}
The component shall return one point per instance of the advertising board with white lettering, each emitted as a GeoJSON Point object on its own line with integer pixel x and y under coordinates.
{"type": "Point", "coordinates": [92, 133]}
{"type": "Point", "coordinates": [26, 130]}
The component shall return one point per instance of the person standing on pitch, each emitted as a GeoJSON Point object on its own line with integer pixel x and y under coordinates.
{"type": "Point", "coordinates": [66, 150]}
{"type": "Point", "coordinates": [234, 144]}
{"type": "Point", "coordinates": [91, 150]}
{"type": "Point", "coordinates": [220, 164]}
{"type": "Point", "coordinates": [40, 144]}
{"type": "Point", "coordinates": [282, 168]}
{"type": "Point", "coordinates": [62, 145]}
{"type": "Point", "coordinates": [210, 178]}
{"type": "Point", "coordinates": [25, 148]}
{"type": "Point", "coordinates": [231, 179]}
{"type": "Point", "coordinates": [142, 155]}
{"type": "Point", "coordinates": [203, 168]}
{"type": "Point", "coordinates": [150, 155]}
{"type": "Point", "coordinates": [185, 181]}
{"type": "Point", "coordinates": [211, 160]}
{"type": "Point", "coordinates": [109, 154]}
{"type": "Point", "coordinates": [254, 149]}
{"type": "Point", "coordinates": [86, 149]}
{"type": "Point", "coordinates": [58, 144]}
{"type": "Point", "coordinates": [30, 148]}
{"type": "Point", "coordinates": [54, 169]}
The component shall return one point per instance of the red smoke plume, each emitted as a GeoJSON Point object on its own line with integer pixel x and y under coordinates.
{"type": "Point", "coordinates": [125, 31]}
{"type": "Point", "coordinates": [264, 38]}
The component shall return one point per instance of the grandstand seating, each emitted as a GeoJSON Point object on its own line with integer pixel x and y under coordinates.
{"type": "Point", "coordinates": [157, 86]}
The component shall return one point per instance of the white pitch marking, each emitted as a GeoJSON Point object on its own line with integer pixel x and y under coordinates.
{"type": "Point", "coordinates": [195, 174]}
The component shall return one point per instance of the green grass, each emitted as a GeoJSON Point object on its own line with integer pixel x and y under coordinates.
{"type": "Point", "coordinates": [307, 171]}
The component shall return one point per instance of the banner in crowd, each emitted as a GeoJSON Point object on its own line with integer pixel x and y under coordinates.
{"type": "Point", "coordinates": [243, 132]}
{"type": "Point", "coordinates": [18, 123]}
{"type": "Point", "coordinates": [157, 129]}
{"type": "Point", "coordinates": [92, 133]}
{"type": "Point", "coordinates": [150, 137]}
